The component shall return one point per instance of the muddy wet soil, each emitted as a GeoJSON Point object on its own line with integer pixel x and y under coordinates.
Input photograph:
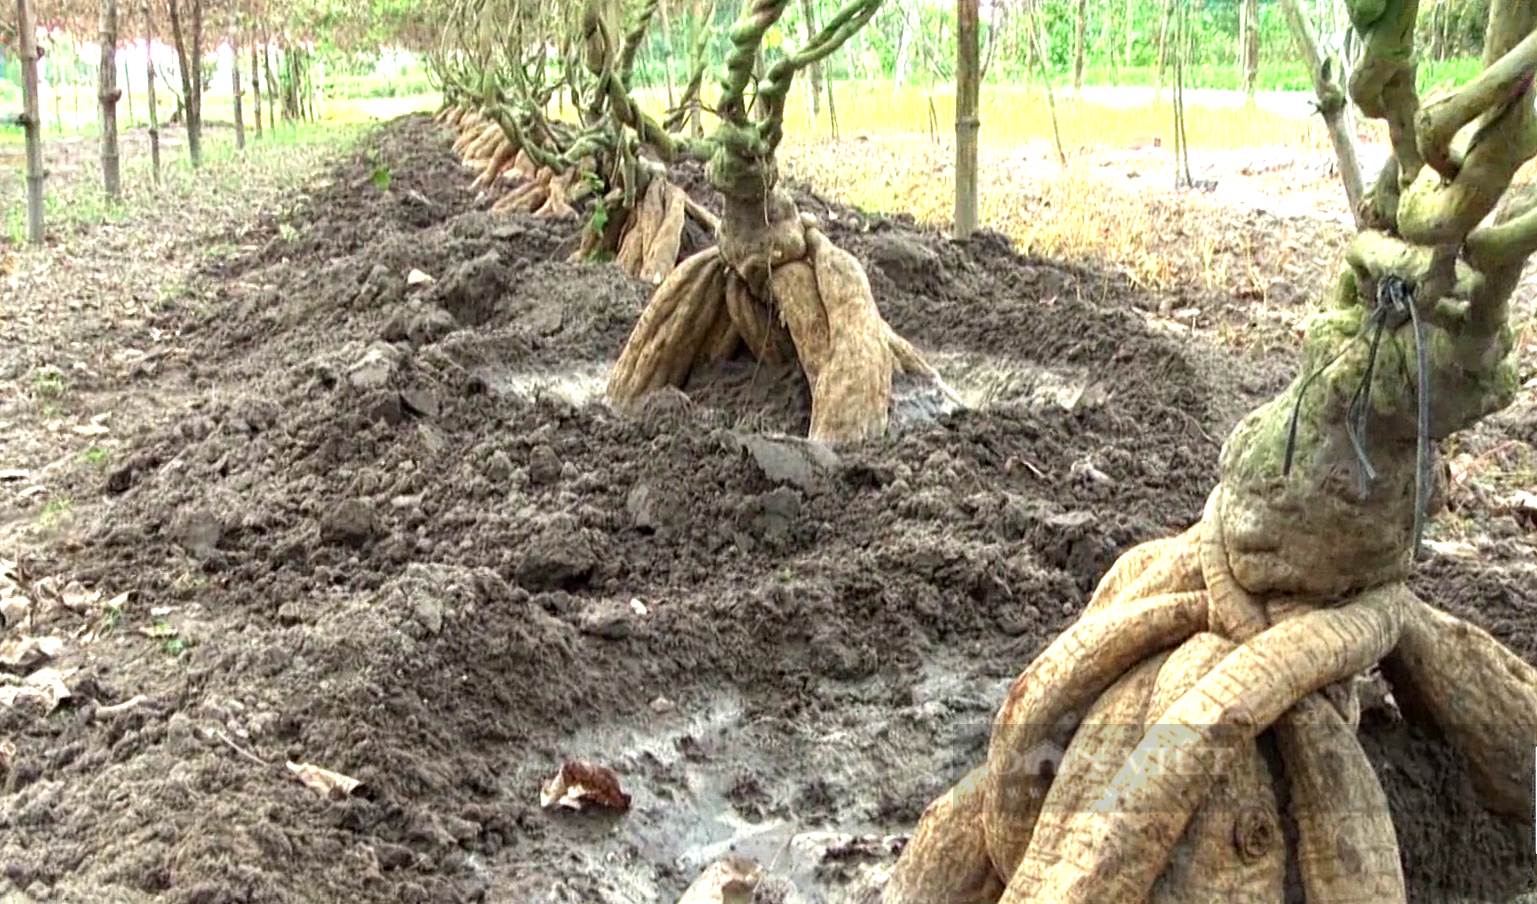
{"type": "Point", "coordinates": [386, 527]}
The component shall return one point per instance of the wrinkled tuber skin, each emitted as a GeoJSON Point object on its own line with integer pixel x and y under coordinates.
{"type": "Point", "coordinates": [1310, 533]}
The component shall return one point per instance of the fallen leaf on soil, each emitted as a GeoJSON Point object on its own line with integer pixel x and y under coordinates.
{"type": "Point", "coordinates": [22, 653]}
{"type": "Point", "coordinates": [580, 784]}
{"type": "Point", "coordinates": [76, 598]}
{"type": "Point", "coordinates": [1456, 549]}
{"type": "Point", "coordinates": [1522, 503]}
{"type": "Point", "coordinates": [13, 609]}
{"type": "Point", "coordinates": [43, 690]}
{"type": "Point", "coordinates": [324, 782]}
{"type": "Point", "coordinates": [729, 880]}
{"type": "Point", "coordinates": [91, 429]}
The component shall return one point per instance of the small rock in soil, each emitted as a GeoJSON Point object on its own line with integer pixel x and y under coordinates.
{"type": "Point", "coordinates": [429, 613]}
{"type": "Point", "coordinates": [543, 466]}
{"type": "Point", "coordinates": [351, 523]}
{"type": "Point", "coordinates": [788, 459]}
{"type": "Point", "coordinates": [384, 406]}
{"type": "Point", "coordinates": [774, 512]}
{"type": "Point", "coordinates": [13, 609]}
{"type": "Point", "coordinates": [609, 619]}
{"type": "Point", "coordinates": [374, 369]}
{"type": "Point", "coordinates": [499, 467]}
{"type": "Point", "coordinates": [421, 401]}
{"type": "Point", "coordinates": [662, 706]}
{"type": "Point", "coordinates": [1071, 520]}
{"type": "Point", "coordinates": [419, 324]}
{"type": "Point", "coordinates": [198, 531]}
{"type": "Point", "coordinates": [641, 505]}
{"type": "Point", "coordinates": [557, 558]}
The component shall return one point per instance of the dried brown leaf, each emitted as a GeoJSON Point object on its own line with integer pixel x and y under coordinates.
{"type": "Point", "coordinates": [324, 782]}
{"type": "Point", "coordinates": [41, 691]}
{"type": "Point", "coordinates": [21, 654]}
{"type": "Point", "coordinates": [76, 598]}
{"type": "Point", "coordinates": [580, 784]}
{"type": "Point", "coordinates": [729, 880]}
{"type": "Point", "coordinates": [14, 610]}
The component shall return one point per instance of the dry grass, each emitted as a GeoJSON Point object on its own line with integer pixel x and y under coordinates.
{"type": "Point", "coordinates": [1166, 241]}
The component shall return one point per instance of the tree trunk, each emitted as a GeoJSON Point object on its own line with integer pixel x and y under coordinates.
{"type": "Point", "coordinates": [904, 46]}
{"type": "Point", "coordinates": [814, 71]}
{"type": "Point", "coordinates": [32, 118]}
{"type": "Point", "coordinates": [1438, 31]}
{"type": "Point", "coordinates": [272, 84]}
{"type": "Point", "coordinates": [1163, 49]}
{"type": "Point", "coordinates": [967, 124]}
{"type": "Point", "coordinates": [1249, 30]}
{"type": "Point", "coordinates": [832, 112]}
{"type": "Point", "coordinates": [994, 24]}
{"type": "Point", "coordinates": [672, 94]}
{"type": "Point", "coordinates": [1131, 29]}
{"type": "Point", "coordinates": [189, 57]}
{"type": "Point", "coordinates": [1080, 42]}
{"type": "Point", "coordinates": [149, 92]}
{"type": "Point", "coordinates": [128, 94]}
{"type": "Point", "coordinates": [311, 89]}
{"type": "Point", "coordinates": [256, 90]}
{"type": "Point", "coordinates": [234, 74]}
{"type": "Point", "coordinates": [1332, 105]}
{"type": "Point", "coordinates": [108, 94]}
{"type": "Point", "coordinates": [1038, 53]}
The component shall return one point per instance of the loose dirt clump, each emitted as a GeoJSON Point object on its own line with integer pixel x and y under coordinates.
{"type": "Point", "coordinates": [398, 536]}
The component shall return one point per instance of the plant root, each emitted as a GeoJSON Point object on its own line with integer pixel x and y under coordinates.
{"type": "Point", "coordinates": [861, 374]}
{"type": "Point", "coordinates": [1233, 849]}
{"type": "Point", "coordinates": [494, 167]}
{"type": "Point", "coordinates": [1164, 565]}
{"type": "Point", "coordinates": [1075, 669]}
{"type": "Point", "coordinates": [1117, 851]}
{"type": "Point", "coordinates": [955, 868]}
{"type": "Point", "coordinates": [1109, 732]}
{"type": "Point", "coordinates": [672, 330]}
{"type": "Point", "coordinates": [1481, 695]}
{"type": "Point", "coordinates": [1347, 850]}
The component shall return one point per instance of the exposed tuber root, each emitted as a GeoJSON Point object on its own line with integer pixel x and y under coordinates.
{"type": "Point", "coordinates": [763, 334]}
{"type": "Point", "coordinates": [556, 206]}
{"type": "Point", "coordinates": [1347, 850]}
{"type": "Point", "coordinates": [666, 238]}
{"type": "Point", "coordinates": [673, 329]}
{"type": "Point", "coordinates": [1038, 716]}
{"type": "Point", "coordinates": [850, 356]}
{"type": "Point", "coordinates": [1118, 849]}
{"type": "Point", "coordinates": [1164, 565]}
{"type": "Point", "coordinates": [1233, 849]}
{"type": "Point", "coordinates": [1481, 695]}
{"type": "Point", "coordinates": [495, 166]}
{"type": "Point", "coordinates": [1109, 732]}
{"type": "Point", "coordinates": [955, 868]}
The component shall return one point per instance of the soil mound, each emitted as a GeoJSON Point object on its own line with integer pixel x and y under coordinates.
{"type": "Point", "coordinates": [399, 537]}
